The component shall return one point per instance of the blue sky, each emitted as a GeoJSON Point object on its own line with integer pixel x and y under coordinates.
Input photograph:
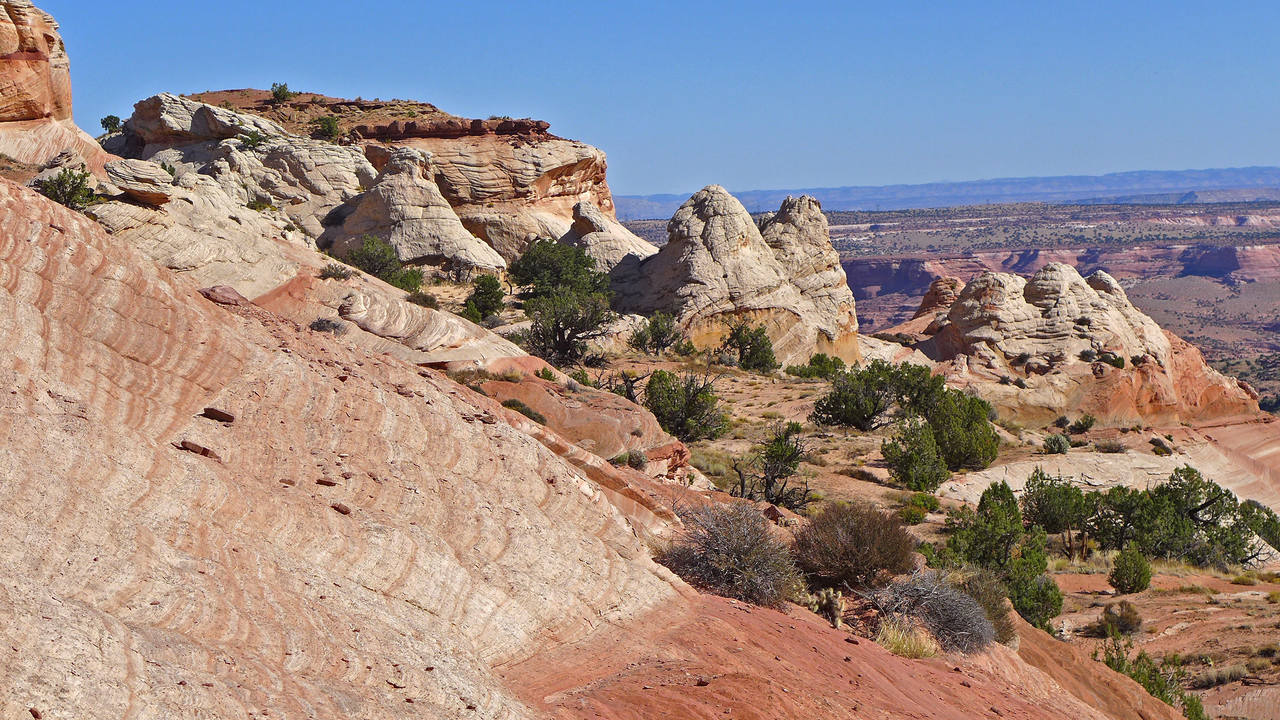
{"type": "Point", "coordinates": [750, 95]}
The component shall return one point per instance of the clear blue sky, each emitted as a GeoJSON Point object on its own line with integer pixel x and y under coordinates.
{"type": "Point", "coordinates": [749, 95]}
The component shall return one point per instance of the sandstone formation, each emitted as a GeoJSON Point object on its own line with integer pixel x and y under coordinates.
{"type": "Point", "coordinates": [35, 90]}
{"type": "Point", "coordinates": [1076, 343]}
{"type": "Point", "coordinates": [405, 207]}
{"type": "Point", "coordinates": [604, 239]}
{"type": "Point", "coordinates": [718, 268]}
{"type": "Point", "coordinates": [305, 178]}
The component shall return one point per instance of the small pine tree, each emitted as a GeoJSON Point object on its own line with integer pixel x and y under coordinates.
{"type": "Point", "coordinates": [751, 346]}
{"type": "Point", "coordinates": [913, 458]}
{"type": "Point", "coordinates": [1131, 572]}
{"type": "Point", "coordinates": [112, 123]}
{"type": "Point", "coordinates": [69, 188]}
{"type": "Point", "coordinates": [487, 296]}
{"type": "Point", "coordinates": [280, 93]}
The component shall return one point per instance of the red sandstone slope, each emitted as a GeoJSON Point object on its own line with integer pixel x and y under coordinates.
{"type": "Point", "coordinates": [360, 535]}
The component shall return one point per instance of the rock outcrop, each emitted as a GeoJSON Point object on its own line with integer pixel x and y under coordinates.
{"type": "Point", "coordinates": [1076, 343]}
{"type": "Point", "coordinates": [405, 207]}
{"type": "Point", "coordinates": [605, 239]}
{"type": "Point", "coordinates": [718, 268]}
{"type": "Point", "coordinates": [35, 90]}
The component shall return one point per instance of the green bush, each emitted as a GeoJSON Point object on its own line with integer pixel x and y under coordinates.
{"type": "Point", "coordinates": [751, 347]}
{"type": "Point", "coordinates": [486, 296]}
{"type": "Point", "coordinates": [850, 546]}
{"type": "Point", "coordinates": [525, 410]}
{"type": "Point", "coordinates": [550, 268]}
{"type": "Point", "coordinates": [687, 407]}
{"type": "Point", "coordinates": [69, 188]}
{"type": "Point", "coordinates": [280, 93]}
{"type": "Point", "coordinates": [111, 123]}
{"type": "Point", "coordinates": [729, 550]}
{"type": "Point", "coordinates": [769, 473]}
{"type": "Point", "coordinates": [376, 257]}
{"type": "Point", "coordinates": [1054, 504]}
{"type": "Point", "coordinates": [860, 398]}
{"type": "Point", "coordinates": [1131, 572]}
{"type": "Point", "coordinates": [913, 457]}
{"type": "Point", "coordinates": [327, 128]}
{"type": "Point", "coordinates": [1162, 681]}
{"type": "Point", "coordinates": [251, 138]}
{"type": "Point", "coordinates": [656, 335]}
{"type": "Point", "coordinates": [1057, 445]}
{"type": "Point", "coordinates": [1035, 596]}
{"type": "Point", "coordinates": [911, 514]}
{"type": "Point", "coordinates": [963, 430]}
{"type": "Point", "coordinates": [1083, 425]}
{"type": "Point", "coordinates": [986, 538]}
{"type": "Point", "coordinates": [820, 365]}
{"type": "Point", "coordinates": [925, 501]}
{"type": "Point", "coordinates": [562, 324]}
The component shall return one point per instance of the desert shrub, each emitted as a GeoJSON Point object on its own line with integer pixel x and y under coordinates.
{"type": "Point", "coordinates": [1037, 598]}
{"type": "Point", "coordinates": [1160, 447]}
{"type": "Point", "coordinates": [769, 474]}
{"type": "Point", "coordinates": [525, 410]}
{"type": "Point", "coordinates": [1055, 505]}
{"type": "Point", "coordinates": [1162, 681]}
{"type": "Point", "coordinates": [687, 407]}
{"type": "Point", "coordinates": [1108, 446]}
{"type": "Point", "coordinates": [327, 127]}
{"type": "Point", "coordinates": [562, 324]}
{"type": "Point", "coordinates": [1130, 573]}
{"type": "Point", "coordinates": [820, 365]}
{"type": "Point", "coordinates": [751, 347]}
{"type": "Point", "coordinates": [1082, 425]}
{"type": "Point", "coordinates": [913, 457]}
{"type": "Point", "coordinates": [925, 501]}
{"type": "Point", "coordinates": [859, 398]}
{"type": "Point", "coordinates": [729, 550]}
{"type": "Point", "coordinates": [580, 376]}
{"type": "Point", "coordinates": [546, 374]}
{"type": "Point", "coordinates": [1121, 617]}
{"type": "Point", "coordinates": [911, 514]}
{"type": "Point", "coordinates": [829, 604]}
{"type": "Point", "coordinates": [963, 430]}
{"type": "Point", "coordinates": [329, 325]}
{"type": "Point", "coordinates": [1057, 445]}
{"type": "Point", "coordinates": [954, 618]}
{"type": "Point", "coordinates": [260, 205]}
{"type": "Point", "coordinates": [376, 257]}
{"type": "Point", "coordinates": [336, 271]}
{"type": "Point", "coordinates": [656, 335]}
{"type": "Point", "coordinates": [1062, 422]}
{"type": "Point", "coordinates": [280, 93]}
{"type": "Point", "coordinates": [1219, 676]}
{"type": "Point", "coordinates": [1112, 359]}
{"type": "Point", "coordinates": [425, 299]}
{"type": "Point", "coordinates": [111, 123]}
{"type": "Point", "coordinates": [849, 546]}
{"type": "Point", "coordinates": [486, 295]}
{"type": "Point", "coordinates": [985, 588]}
{"type": "Point", "coordinates": [904, 639]}
{"type": "Point", "coordinates": [69, 188]}
{"type": "Point", "coordinates": [1088, 355]}
{"type": "Point", "coordinates": [635, 460]}
{"type": "Point", "coordinates": [986, 538]}
{"type": "Point", "coordinates": [251, 138]}
{"type": "Point", "coordinates": [550, 268]}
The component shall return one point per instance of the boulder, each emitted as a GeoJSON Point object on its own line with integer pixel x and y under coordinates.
{"type": "Point", "coordinates": [717, 269]}
{"type": "Point", "coordinates": [405, 207]}
{"type": "Point", "coordinates": [143, 181]}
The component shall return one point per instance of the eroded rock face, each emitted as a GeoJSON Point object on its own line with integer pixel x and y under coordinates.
{"type": "Point", "coordinates": [305, 178]}
{"type": "Point", "coordinates": [605, 239]}
{"type": "Point", "coordinates": [35, 89]}
{"type": "Point", "coordinates": [1079, 344]}
{"type": "Point", "coordinates": [718, 268]}
{"type": "Point", "coordinates": [405, 207]}
{"type": "Point", "coordinates": [441, 543]}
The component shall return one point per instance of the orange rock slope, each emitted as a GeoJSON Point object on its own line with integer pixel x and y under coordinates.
{"type": "Point", "coordinates": [212, 511]}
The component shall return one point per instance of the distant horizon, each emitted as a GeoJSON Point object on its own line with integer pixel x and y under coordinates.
{"type": "Point", "coordinates": [746, 94]}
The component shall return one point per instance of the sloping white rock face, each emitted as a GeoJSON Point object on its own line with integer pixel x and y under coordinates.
{"type": "Point", "coordinates": [717, 268]}
{"type": "Point", "coordinates": [605, 239]}
{"type": "Point", "coordinates": [405, 207]}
